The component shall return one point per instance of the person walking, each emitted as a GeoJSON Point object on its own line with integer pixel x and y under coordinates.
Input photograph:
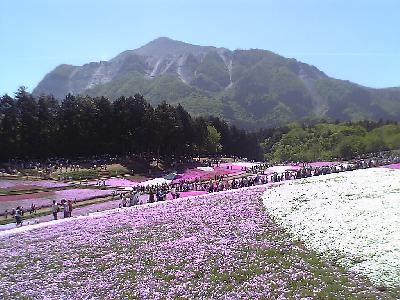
{"type": "Point", "coordinates": [54, 209]}
{"type": "Point", "coordinates": [66, 209]}
{"type": "Point", "coordinates": [33, 209]}
{"type": "Point", "coordinates": [133, 199]}
{"type": "Point", "coordinates": [18, 216]}
{"type": "Point", "coordinates": [70, 207]}
{"type": "Point", "coordinates": [136, 197]}
{"type": "Point", "coordinates": [173, 192]}
{"type": "Point", "coordinates": [151, 196]}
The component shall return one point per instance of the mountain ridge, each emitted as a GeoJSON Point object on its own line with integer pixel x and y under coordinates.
{"type": "Point", "coordinates": [251, 88]}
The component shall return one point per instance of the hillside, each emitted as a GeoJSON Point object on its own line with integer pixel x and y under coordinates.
{"type": "Point", "coordinates": [251, 88]}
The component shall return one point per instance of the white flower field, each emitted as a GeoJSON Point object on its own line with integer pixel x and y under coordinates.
{"type": "Point", "coordinates": [352, 218]}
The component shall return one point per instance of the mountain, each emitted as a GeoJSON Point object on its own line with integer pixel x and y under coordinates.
{"type": "Point", "coordinates": [251, 88]}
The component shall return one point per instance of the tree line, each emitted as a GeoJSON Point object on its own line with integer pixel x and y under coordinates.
{"type": "Point", "coordinates": [327, 141]}
{"type": "Point", "coordinates": [42, 127]}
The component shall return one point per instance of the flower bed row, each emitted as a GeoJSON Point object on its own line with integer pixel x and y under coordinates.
{"type": "Point", "coordinates": [114, 182]}
{"type": "Point", "coordinates": [18, 184]}
{"type": "Point", "coordinates": [188, 175]}
{"type": "Point", "coordinates": [44, 199]}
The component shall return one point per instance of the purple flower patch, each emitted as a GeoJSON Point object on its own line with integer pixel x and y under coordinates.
{"type": "Point", "coordinates": [214, 246]}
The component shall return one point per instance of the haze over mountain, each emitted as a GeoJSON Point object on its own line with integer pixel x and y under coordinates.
{"type": "Point", "coordinates": [251, 88]}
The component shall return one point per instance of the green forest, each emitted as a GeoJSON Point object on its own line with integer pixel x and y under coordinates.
{"type": "Point", "coordinates": [326, 141]}
{"type": "Point", "coordinates": [40, 127]}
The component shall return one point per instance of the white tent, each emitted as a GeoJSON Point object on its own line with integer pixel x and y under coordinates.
{"type": "Point", "coordinates": [128, 188]}
{"type": "Point", "coordinates": [280, 169]}
{"type": "Point", "coordinates": [155, 181]}
{"type": "Point", "coordinates": [206, 169]}
{"type": "Point", "coordinates": [245, 164]}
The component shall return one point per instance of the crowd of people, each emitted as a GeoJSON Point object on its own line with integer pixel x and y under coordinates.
{"type": "Point", "coordinates": [260, 176]}
{"type": "Point", "coordinates": [45, 167]}
{"type": "Point", "coordinates": [48, 166]}
{"type": "Point", "coordinates": [254, 175]}
{"type": "Point", "coordinates": [66, 206]}
{"type": "Point", "coordinates": [20, 210]}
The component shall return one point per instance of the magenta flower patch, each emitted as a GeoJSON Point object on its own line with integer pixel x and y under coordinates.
{"type": "Point", "coordinates": [393, 166]}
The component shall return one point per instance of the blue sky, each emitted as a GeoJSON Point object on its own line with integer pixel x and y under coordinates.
{"type": "Point", "coordinates": [357, 40]}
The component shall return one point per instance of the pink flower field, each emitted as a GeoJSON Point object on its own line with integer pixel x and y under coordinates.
{"type": "Point", "coordinates": [189, 175]}
{"type": "Point", "coordinates": [29, 184]}
{"type": "Point", "coordinates": [46, 199]}
{"type": "Point", "coordinates": [393, 166]}
{"type": "Point", "coordinates": [282, 169]}
{"type": "Point", "coordinates": [116, 182]}
{"type": "Point", "coordinates": [193, 174]}
{"type": "Point", "coordinates": [214, 246]}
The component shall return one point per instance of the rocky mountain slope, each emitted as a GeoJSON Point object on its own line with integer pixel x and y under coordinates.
{"type": "Point", "coordinates": [252, 88]}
